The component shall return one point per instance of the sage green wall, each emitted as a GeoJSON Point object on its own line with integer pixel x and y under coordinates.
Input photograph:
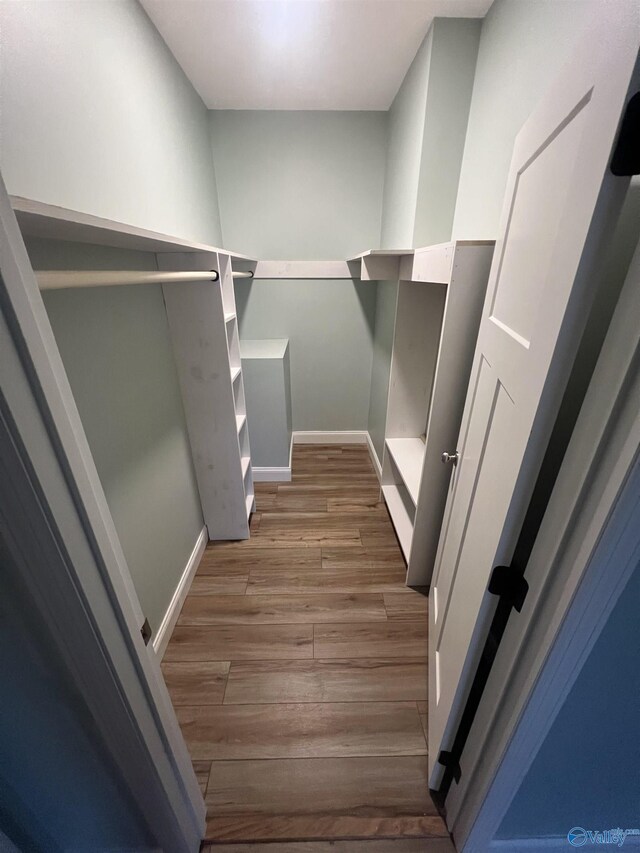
{"type": "Point", "coordinates": [306, 185]}
{"type": "Point", "coordinates": [98, 116]}
{"type": "Point", "coordinates": [406, 130]}
{"type": "Point", "coordinates": [299, 185]}
{"type": "Point", "coordinates": [266, 376]}
{"type": "Point", "coordinates": [523, 45]}
{"type": "Point", "coordinates": [427, 127]}
{"type": "Point", "coordinates": [454, 50]}
{"type": "Point", "coordinates": [115, 347]}
{"type": "Point", "coordinates": [330, 329]}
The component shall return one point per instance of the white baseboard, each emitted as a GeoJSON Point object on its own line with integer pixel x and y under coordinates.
{"type": "Point", "coordinates": [175, 605]}
{"type": "Point", "coordinates": [374, 457]}
{"type": "Point", "coordinates": [272, 475]}
{"type": "Point", "coordinates": [358, 436]}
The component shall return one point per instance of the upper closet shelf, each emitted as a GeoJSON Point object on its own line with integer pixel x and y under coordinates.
{"type": "Point", "coordinates": [37, 219]}
{"type": "Point", "coordinates": [429, 264]}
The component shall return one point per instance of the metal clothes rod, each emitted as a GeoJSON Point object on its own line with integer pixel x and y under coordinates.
{"type": "Point", "coordinates": [243, 275]}
{"type": "Point", "coordinates": [65, 279]}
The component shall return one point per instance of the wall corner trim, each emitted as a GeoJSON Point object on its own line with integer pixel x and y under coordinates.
{"type": "Point", "coordinates": [170, 618]}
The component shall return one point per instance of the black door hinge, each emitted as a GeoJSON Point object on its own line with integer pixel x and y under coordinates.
{"type": "Point", "coordinates": [146, 632]}
{"type": "Point", "coordinates": [509, 585]}
{"type": "Point", "coordinates": [449, 760]}
{"type": "Point", "coordinates": [625, 161]}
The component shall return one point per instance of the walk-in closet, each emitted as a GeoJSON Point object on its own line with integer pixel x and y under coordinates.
{"type": "Point", "coordinates": [307, 310]}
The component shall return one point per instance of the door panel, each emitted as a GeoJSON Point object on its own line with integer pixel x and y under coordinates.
{"type": "Point", "coordinates": [559, 203]}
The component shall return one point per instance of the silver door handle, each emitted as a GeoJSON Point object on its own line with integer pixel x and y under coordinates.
{"type": "Point", "coordinates": [450, 457]}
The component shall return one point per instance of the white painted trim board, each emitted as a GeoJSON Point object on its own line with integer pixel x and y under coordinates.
{"type": "Point", "coordinates": [272, 475]}
{"type": "Point", "coordinates": [347, 436]}
{"type": "Point", "coordinates": [163, 634]}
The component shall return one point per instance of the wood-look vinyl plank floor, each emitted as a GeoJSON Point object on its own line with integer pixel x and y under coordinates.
{"type": "Point", "coordinates": [202, 770]}
{"type": "Point", "coordinates": [355, 504]}
{"type": "Point", "coordinates": [362, 558]}
{"type": "Point", "coordinates": [346, 480]}
{"type": "Point", "coordinates": [209, 585]}
{"type": "Point", "coordinates": [287, 609]}
{"type": "Point", "coordinates": [196, 682]}
{"type": "Point", "coordinates": [381, 537]}
{"type": "Point", "coordinates": [299, 674]}
{"type": "Point", "coordinates": [423, 710]}
{"type": "Point", "coordinates": [370, 640]}
{"type": "Point", "coordinates": [405, 606]}
{"type": "Point", "coordinates": [240, 642]}
{"type": "Point", "coordinates": [367, 787]}
{"type": "Point", "coordinates": [302, 730]}
{"type": "Point", "coordinates": [238, 561]}
{"type": "Point", "coordinates": [330, 491]}
{"type": "Point", "coordinates": [282, 537]}
{"type": "Point", "coordinates": [387, 845]}
{"type": "Point", "coordinates": [364, 680]}
{"type": "Point", "coordinates": [286, 521]}
{"type": "Point", "coordinates": [429, 829]}
{"type": "Point", "coordinates": [342, 580]}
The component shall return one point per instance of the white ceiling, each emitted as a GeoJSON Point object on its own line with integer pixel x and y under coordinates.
{"type": "Point", "coordinates": [299, 54]}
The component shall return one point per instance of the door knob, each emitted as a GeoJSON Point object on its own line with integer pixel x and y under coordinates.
{"type": "Point", "coordinates": [450, 457]}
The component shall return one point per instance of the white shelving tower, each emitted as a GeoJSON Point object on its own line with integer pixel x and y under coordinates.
{"type": "Point", "coordinates": [441, 292]}
{"type": "Point", "coordinates": [237, 381]}
{"type": "Point", "coordinates": [204, 332]}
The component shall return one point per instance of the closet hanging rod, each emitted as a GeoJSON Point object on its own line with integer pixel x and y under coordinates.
{"type": "Point", "coordinates": [65, 279]}
{"type": "Point", "coordinates": [243, 275]}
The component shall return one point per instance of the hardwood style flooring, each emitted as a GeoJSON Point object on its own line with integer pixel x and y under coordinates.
{"type": "Point", "coordinates": [298, 670]}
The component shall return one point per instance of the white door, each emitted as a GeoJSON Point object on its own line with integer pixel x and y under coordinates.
{"type": "Point", "coordinates": [560, 200]}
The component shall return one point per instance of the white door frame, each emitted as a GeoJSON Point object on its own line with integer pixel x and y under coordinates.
{"type": "Point", "coordinates": [586, 549]}
{"type": "Point", "coordinates": [62, 533]}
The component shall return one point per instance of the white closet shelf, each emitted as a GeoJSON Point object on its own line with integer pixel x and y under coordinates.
{"type": "Point", "coordinates": [38, 219]}
{"type": "Point", "coordinates": [381, 253]}
{"type": "Point", "coordinates": [229, 317]}
{"type": "Point", "coordinates": [249, 503]}
{"type": "Point", "coordinates": [240, 421]}
{"type": "Point", "coordinates": [235, 372]}
{"type": "Point", "coordinates": [402, 521]}
{"type": "Point", "coordinates": [408, 456]}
